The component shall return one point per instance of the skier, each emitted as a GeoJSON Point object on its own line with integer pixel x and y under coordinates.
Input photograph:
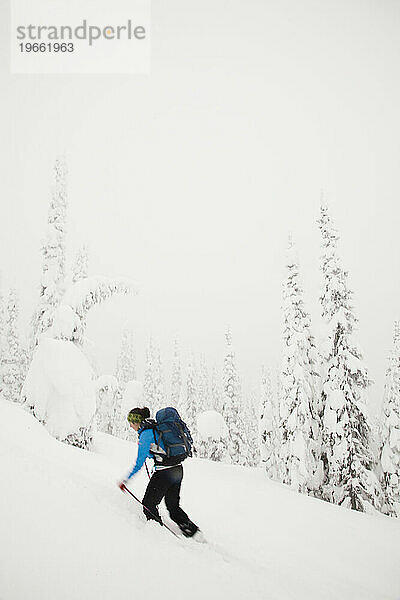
{"type": "Point", "coordinates": [166, 480]}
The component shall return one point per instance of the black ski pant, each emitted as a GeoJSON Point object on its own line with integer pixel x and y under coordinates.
{"type": "Point", "coordinates": [166, 483]}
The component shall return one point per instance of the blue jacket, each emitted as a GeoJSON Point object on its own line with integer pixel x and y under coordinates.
{"type": "Point", "coordinates": [146, 438]}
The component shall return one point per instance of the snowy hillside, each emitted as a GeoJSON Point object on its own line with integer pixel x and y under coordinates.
{"type": "Point", "coordinates": [67, 532]}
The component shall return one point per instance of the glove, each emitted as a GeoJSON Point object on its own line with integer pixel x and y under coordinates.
{"type": "Point", "coordinates": [121, 485]}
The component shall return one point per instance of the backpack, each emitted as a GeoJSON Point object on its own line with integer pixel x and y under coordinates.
{"type": "Point", "coordinates": [175, 435]}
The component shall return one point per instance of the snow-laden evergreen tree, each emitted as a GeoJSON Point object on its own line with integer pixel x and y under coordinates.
{"type": "Point", "coordinates": [121, 427]}
{"type": "Point", "coordinates": [216, 450]}
{"type": "Point", "coordinates": [159, 382]}
{"type": "Point", "coordinates": [376, 443]}
{"type": "Point", "coordinates": [203, 403]}
{"type": "Point", "coordinates": [153, 385]}
{"type": "Point", "coordinates": [125, 373]}
{"type": "Point", "coordinates": [269, 426]}
{"type": "Point", "coordinates": [212, 434]}
{"type": "Point", "coordinates": [232, 408]}
{"type": "Point", "coordinates": [390, 431]}
{"type": "Point", "coordinates": [126, 364]}
{"type": "Point", "coordinates": [203, 396]}
{"type": "Point", "coordinates": [2, 341]}
{"type": "Point", "coordinates": [213, 447]}
{"type": "Point", "coordinates": [189, 404]}
{"type": "Point", "coordinates": [349, 477]}
{"type": "Point", "coordinates": [80, 268]}
{"type": "Point", "coordinates": [216, 394]}
{"type": "Point", "coordinates": [176, 378]}
{"type": "Point", "coordinates": [280, 432]}
{"type": "Point", "coordinates": [79, 299]}
{"type": "Point", "coordinates": [300, 451]}
{"type": "Point", "coordinates": [148, 380]}
{"type": "Point", "coordinates": [252, 410]}
{"type": "Point", "coordinates": [107, 405]}
{"type": "Point", "coordinates": [68, 326]}
{"type": "Point", "coordinates": [53, 256]}
{"type": "Point", "coordinates": [15, 358]}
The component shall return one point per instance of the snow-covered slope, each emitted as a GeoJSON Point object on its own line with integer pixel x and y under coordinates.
{"type": "Point", "coordinates": [67, 532]}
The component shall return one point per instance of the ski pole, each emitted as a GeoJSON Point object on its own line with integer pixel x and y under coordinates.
{"type": "Point", "coordinates": [149, 511]}
{"type": "Point", "coordinates": [145, 464]}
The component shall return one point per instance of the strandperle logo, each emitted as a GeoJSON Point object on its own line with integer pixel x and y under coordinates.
{"type": "Point", "coordinates": [80, 36]}
{"type": "Point", "coordinates": [84, 31]}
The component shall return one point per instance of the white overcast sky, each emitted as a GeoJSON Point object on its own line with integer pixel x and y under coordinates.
{"type": "Point", "coordinates": [189, 180]}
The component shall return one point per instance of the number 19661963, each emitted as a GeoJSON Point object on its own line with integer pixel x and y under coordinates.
{"type": "Point", "coordinates": [47, 47]}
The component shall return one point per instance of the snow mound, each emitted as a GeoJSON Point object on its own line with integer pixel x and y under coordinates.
{"type": "Point", "coordinates": [65, 324]}
{"type": "Point", "coordinates": [211, 425]}
{"type": "Point", "coordinates": [60, 388]}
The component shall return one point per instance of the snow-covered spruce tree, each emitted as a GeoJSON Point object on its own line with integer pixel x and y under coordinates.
{"type": "Point", "coordinates": [2, 341]}
{"type": "Point", "coordinates": [252, 430]}
{"type": "Point", "coordinates": [203, 396]}
{"type": "Point", "coordinates": [203, 404]}
{"type": "Point", "coordinates": [121, 427]}
{"type": "Point", "coordinates": [14, 364]}
{"type": "Point", "coordinates": [232, 409]}
{"type": "Point", "coordinates": [83, 438]}
{"type": "Point", "coordinates": [126, 364]}
{"type": "Point", "coordinates": [153, 386]}
{"type": "Point", "coordinates": [390, 431]}
{"type": "Point", "coordinates": [69, 326]}
{"type": "Point", "coordinates": [280, 431]}
{"type": "Point", "coordinates": [300, 450]}
{"type": "Point", "coordinates": [148, 382]}
{"type": "Point", "coordinates": [176, 378]}
{"type": "Point", "coordinates": [53, 256]}
{"type": "Point", "coordinates": [159, 383]}
{"type": "Point", "coordinates": [110, 413]}
{"type": "Point", "coordinates": [212, 434]}
{"type": "Point", "coordinates": [216, 395]}
{"type": "Point", "coordinates": [349, 477]}
{"type": "Point", "coordinates": [375, 439]}
{"type": "Point", "coordinates": [269, 426]}
{"type": "Point", "coordinates": [85, 294]}
{"type": "Point", "coordinates": [214, 445]}
{"type": "Point", "coordinates": [80, 268]}
{"type": "Point", "coordinates": [107, 407]}
{"type": "Point", "coordinates": [189, 404]}
{"type": "Point", "coordinates": [266, 417]}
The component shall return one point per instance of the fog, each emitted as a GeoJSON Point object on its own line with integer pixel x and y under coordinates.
{"type": "Point", "coordinates": [189, 180]}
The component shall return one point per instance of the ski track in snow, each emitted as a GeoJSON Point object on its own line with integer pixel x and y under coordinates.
{"type": "Point", "coordinates": [68, 532]}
